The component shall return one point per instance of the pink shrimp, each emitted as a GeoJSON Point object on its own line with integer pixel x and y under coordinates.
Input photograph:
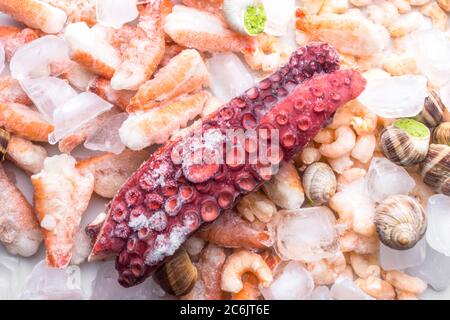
{"type": "Point", "coordinates": [102, 87]}
{"type": "Point", "coordinates": [144, 52]}
{"type": "Point", "coordinates": [13, 38]}
{"type": "Point", "coordinates": [207, 5]}
{"type": "Point", "coordinates": [12, 92]}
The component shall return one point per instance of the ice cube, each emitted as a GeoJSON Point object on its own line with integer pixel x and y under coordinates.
{"type": "Point", "coordinates": [115, 13]}
{"type": "Point", "coordinates": [40, 57]}
{"type": "Point", "coordinates": [306, 234]}
{"type": "Point", "coordinates": [224, 70]}
{"type": "Point", "coordinates": [278, 16]}
{"type": "Point", "coordinates": [46, 283]}
{"type": "Point", "coordinates": [321, 293]}
{"type": "Point", "coordinates": [430, 49]}
{"type": "Point", "coordinates": [106, 137]}
{"type": "Point", "coordinates": [434, 270]}
{"type": "Point", "coordinates": [292, 282]}
{"type": "Point", "coordinates": [106, 287]}
{"type": "Point", "coordinates": [48, 93]}
{"type": "Point", "coordinates": [10, 284]}
{"type": "Point", "coordinates": [391, 259]}
{"type": "Point", "coordinates": [81, 247]}
{"type": "Point", "coordinates": [385, 178]}
{"type": "Point", "coordinates": [444, 93]}
{"type": "Point", "coordinates": [76, 113]}
{"type": "Point", "coordinates": [345, 289]}
{"type": "Point", "coordinates": [395, 97]}
{"type": "Point", "coordinates": [438, 212]}
{"type": "Point", "coordinates": [2, 57]}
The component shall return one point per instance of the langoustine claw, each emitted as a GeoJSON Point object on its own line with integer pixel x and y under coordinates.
{"type": "Point", "coordinates": [231, 231]}
{"type": "Point", "coordinates": [144, 51]}
{"type": "Point", "coordinates": [35, 14]}
{"type": "Point", "coordinates": [19, 229]}
{"type": "Point", "coordinates": [165, 201]}
{"type": "Point", "coordinates": [204, 31]}
{"type": "Point", "coordinates": [61, 196]}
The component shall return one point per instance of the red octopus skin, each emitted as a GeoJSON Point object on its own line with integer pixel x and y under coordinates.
{"type": "Point", "coordinates": [165, 202]}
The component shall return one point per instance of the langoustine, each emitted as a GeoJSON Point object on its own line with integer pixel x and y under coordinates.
{"type": "Point", "coordinates": [164, 202]}
{"type": "Point", "coordinates": [12, 92]}
{"type": "Point", "coordinates": [77, 10]}
{"type": "Point", "coordinates": [26, 155]}
{"type": "Point", "coordinates": [102, 87]}
{"type": "Point", "coordinates": [13, 38]}
{"type": "Point", "coordinates": [19, 229]}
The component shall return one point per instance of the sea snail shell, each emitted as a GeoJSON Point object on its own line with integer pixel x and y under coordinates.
{"type": "Point", "coordinates": [405, 142]}
{"type": "Point", "coordinates": [433, 110]}
{"type": "Point", "coordinates": [245, 16]}
{"type": "Point", "coordinates": [441, 135]}
{"type": "Point", "coordinates": [400, 221]}
{"type": "Point", "coordinates": [177, 276]}
{"type": "Point", "coordinates": [436, 168]}
{"type": "Point", "coordinates": [4, 141]}
{"type": "Point", "coordinates": [319, 182]}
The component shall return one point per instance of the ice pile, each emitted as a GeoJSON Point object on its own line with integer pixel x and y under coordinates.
{"type": "Point", "coordinates": [278, 16]}
{"type": "Point", "coordinates": [106, 287]}
{"type": "Point", "coordinates": [229, 76]}
{"type": "Point", "coordinates": [438, 213]}
{"type": "Point", "coordinates": [395, 97]}
{"type": "Point", "coordinates": [345, 289]}
{"type": "Point", "coordinates": [106, 137]}
{"type": "Point", "coordinates": [40, 58]}
{"type": "Point", "coordinates": [321, 293]}
{"type": "Point", "coordinates": [385, 178]}
{"type": "Point", "coordinates": [291, 282]}
{"type": "Point", "coordinates": [391, 259]}
{"type": "Point", "coordinates": [75, 113]}
{"type": "Point", "coordinates": [430, 49]}
{"type": "Point", "coordinates": [434, 270]}
{"type": "Point", "coordinates": [306, 234]}
{"type": "Point", "coordinates": [46, 283]}
{"type": "Point", "coordinates": [11, 276]}
{"type": "Point", "coordinates": [48, 93]}
{"type": "Point", "coordinates": [113, 13]}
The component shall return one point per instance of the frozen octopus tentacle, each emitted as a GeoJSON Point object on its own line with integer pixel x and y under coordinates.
{"type": "Point", "coordinates": [165, 201]}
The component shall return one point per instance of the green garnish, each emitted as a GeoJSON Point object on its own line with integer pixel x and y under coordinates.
{"type": "Point", "coordinates": [255, 19]}
{"type": "Point", "coordinates": [412, 127]}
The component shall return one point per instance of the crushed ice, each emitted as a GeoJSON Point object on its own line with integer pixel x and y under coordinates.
{"type": "Point", "coordinates": [115, 13]}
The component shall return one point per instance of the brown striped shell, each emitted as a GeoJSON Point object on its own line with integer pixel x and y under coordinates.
{"type": "Point", "coordinates": [436, 168]}
{"type": "Point", "coordinates": [400, 221]}
{"type": "Point", "coordinates": [4, 141]}
{"type": "Point", "coordinates": [433, 110]}
{"type": "Point", "coordinates": [441, 135]}
{"type": "Point", "coordinates": [319, 182]}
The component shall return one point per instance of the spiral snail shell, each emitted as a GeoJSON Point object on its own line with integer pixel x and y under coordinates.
{"type": "Point", "coordinates": [247, 17]}
{"type": "Point", "coordinates": [436, 168]}
{"type": "Point", "coordinates": [400, 221]}
{"type": "Point", "coordinates": [441, 134]}
{"type": "Point", "coordinates": [319, 182]}
{"type": "Point", "coordinates": [177, 276]}
{"type": "Point", "coordinates": [4, 141]}
{"type": "Point", "coordinates": [405, 142]}
{"type": "Point", "coordinates": [433, 110]}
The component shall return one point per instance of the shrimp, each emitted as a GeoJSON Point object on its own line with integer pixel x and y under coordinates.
{"type": "Point", "coordinates": [364, 148]}
{"type": "Point", "coordinates": [351, 34]}
{"type": "Point", "coordinates": [404, 282]}
{"type": "Point", "coordinates": [326, 271]}
{"type": "Point", "coordinates": [405, 24]}
{"type": "Point", "coordinates": [285, 188]}
{"type": "Point", "coordinates": [24, 122]}
{"type": "Point", "coordinates": [91, 50]}
{"type": "Point", "coordinates": [77, 10]}
{"type": "Point", "coordinates": [19, 229]}
{"type": "Point", "coordinates": [144, 51]}
{"type": "Point", "coordinates": [325, 136]}
{"type": "Point", "coordinates": [365, 265]}
{"type": "Point", "coordinates": [13, 38]}
{"type": "Point", "coordinates": [349, 176]}
{"type": "Point", "coordinates": [26, 155]}
{"type": "Point", "coordinates": [239, 263]}
{"type": "Point", "coordinates": [185, 73]}
{"type": "Point", "coordinates": [231, 231]}
{"type": "Point", "coordinates": [143, 129]}
{"type": "Point", "coordinates": [172, 50]}
{"type": "Point", "coordinates": [341, 164]}
{"type": "Point", "coordinates": [12, 92]}
{"type": "Point", "coordinates": [269, 55]}
{"type": "Point", "coordinates": [250, 289]}
{"type": "Point", "coordinates": [384, 13]}
{"type": "Point", "coordinates": [405, 295]}
{"type": "Point", "coordinates": [102, 88]}
{"type": "Point", "coordinates": [256, 204]}
{"type": "Point", "coordinates": [343, 144]}
{"type": "Point", "coordinates": [204, 31]}
{"type": "Point", "coordinates": [35, 14]}
{"type": "Point", "coordinates": [309, 155]}
{"type": "Point", "coordinates": [437, 15]}
{"type": "Point", "coordinates": [61, 197]}
{"type": "Point", "coordinates": [351, 241]}
{"type": "Point", "coordinates": [207, 5]}
{"type": "Point", "coordinates": [399, 65]}
{"type": "Point", "coordinates": [403, 6]}
{"type": "Point", "coordinates": [376, 287]}
{"type": "Point", "coordinates": [111, 171]}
